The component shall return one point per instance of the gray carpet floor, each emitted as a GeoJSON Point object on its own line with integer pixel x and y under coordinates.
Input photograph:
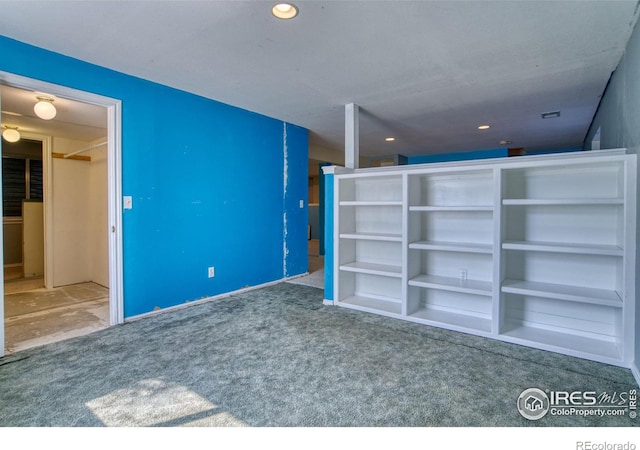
{"type": "Point", "coordinates": [278, 357]}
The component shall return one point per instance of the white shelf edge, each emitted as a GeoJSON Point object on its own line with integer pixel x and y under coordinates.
{"type": "Point", "coordinates": [562, 292]}
{"type": "Point", "coordinates": [602, 350]}
{"type": "Point", "coordinates": [420, 208]}
{"type": "Point", "coordinates": [452, 247]}
{"type": "Point", "coordinates": [370, 304]}
{"type": "Point", "coordinates": [373, 269]}
{"type": "Point", "coordinates": [581, 249]}
{"type": "Point", "coordinates": [370, 203]}
{"type": "Point", "coordinates": [373, 236]}
{"type": "Point", "coordinates": [562, 202]}
{"type": "Point", "coordinates": [474, 287]}
{"type": "Point", "coordinates": [452, 321]}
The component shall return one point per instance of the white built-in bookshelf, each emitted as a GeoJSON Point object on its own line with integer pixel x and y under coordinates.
{"type": "Point", "coordinates": [534, 250]}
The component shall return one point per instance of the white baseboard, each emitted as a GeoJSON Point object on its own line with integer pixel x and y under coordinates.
{"type": "Point", "coordinates": [327, 302]}
{"type": "Point", "coordinates": [206, 299]}
{"type": "Point", "coordinates": [294, 277]}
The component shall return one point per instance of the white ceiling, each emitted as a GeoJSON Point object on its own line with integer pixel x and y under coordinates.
{"type": "Point", "coordinates": [425, 72]}
{"type": "Point", "coordinates": [73, 120]}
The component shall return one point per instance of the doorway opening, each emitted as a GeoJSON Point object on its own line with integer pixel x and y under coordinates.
{"type": "Point", "coordinates": [61, 240]}
{"type": "Point", "coordinates": [315, 276]}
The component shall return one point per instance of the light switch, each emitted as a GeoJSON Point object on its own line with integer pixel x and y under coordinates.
{"type": "Point", "coordinates": [128, 202]}
{"type": "Point", "coordinates": [301, 203]}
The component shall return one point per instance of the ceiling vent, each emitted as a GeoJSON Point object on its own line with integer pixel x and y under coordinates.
{"type": "Point", "coordinates": [550, 114]}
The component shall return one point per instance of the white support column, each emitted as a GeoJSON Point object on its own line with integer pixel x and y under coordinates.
{"type": "Point", "coordinates": [351, 136]}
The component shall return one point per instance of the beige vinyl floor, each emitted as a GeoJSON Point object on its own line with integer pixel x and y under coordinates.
{"type": "Point", "coordinates": [315, 277]}
{"type": "Point", "coordinates": [36, 316]}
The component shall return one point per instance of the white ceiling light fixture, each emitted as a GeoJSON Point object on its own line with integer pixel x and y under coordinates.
{"type": "Point", "coordinates": [284, 11]}
{"type": "Point", "coordinates": [484, 127]}
{"type": "Point", "coordinates": [44, 108]}
{"type": "Point", "coordinates": [390, 139]}
{"type": "Point", "coordinates": [11, 134]}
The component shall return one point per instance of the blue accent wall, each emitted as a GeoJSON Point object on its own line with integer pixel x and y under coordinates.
{"type": "Point", "coordinates": [297, 190]}
{"type": "Point", "coordinates": [328, 237]}
{"type": "Point", "coordinates": [212, 185]}
{"type": "Point", "coordinates": [552, 151]}
{"type": "Point", "coordinates": [478, 154]}
{"type": "Point", "coordinates": [462, 156]}
{"type": "Point", "coordinates": [322, 221]}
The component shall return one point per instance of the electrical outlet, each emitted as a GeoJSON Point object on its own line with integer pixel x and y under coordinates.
{"type": "Point", "coordinates": [212, 272]}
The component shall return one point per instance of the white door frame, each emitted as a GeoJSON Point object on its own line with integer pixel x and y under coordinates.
{"type": "Point", "coordinates": [1, 262]}
{"type": "Point", "coordinates": [114, 164]}
{"type": "Point", "coordinates": [47, 146]}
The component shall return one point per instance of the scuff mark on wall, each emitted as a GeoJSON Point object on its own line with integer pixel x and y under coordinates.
{"type": "Point", "coordinates": [285, 182]}
{"type": "Point", "coordinates": [285, 154]}
{"type": "Point", "coordinates": [285, 249]}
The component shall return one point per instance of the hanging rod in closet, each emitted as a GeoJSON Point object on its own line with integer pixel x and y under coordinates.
{"type": "Point", "coordinates": [68, 155]}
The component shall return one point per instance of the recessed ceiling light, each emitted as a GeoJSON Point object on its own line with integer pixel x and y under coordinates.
{"type": "Point", "coordinates": [550, 115]}
{"type": "Point", "coordinates": [484, 127]}
{"type": "Point", "coordinates": [284, 10]}
{"type": "Point", "coordinates": [390, 139]}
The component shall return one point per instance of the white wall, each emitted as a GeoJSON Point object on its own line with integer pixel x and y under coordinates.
{"type": "Point", "coordinates": [618, 119]}
{"type": "Point", "coordinates": [33, 239]}
{"type": "Point", "coordinates": [330, 155]}
{"type": "Point", "coordinates": [80, 242]}
{"type": "Point", "coordinates": [98, 215]}
{"type": "Point", "coordinates": [12, 233]}
{"type": "Point", "coordinates": [71, 262]}
{"type": "Point", "coordinates": [326, 154]}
